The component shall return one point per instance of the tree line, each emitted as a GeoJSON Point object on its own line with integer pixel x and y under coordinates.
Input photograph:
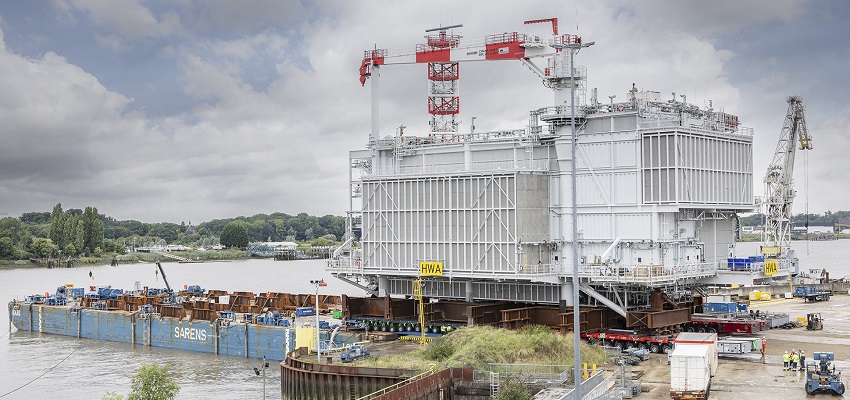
{"type": "Point", "coordinates": [827, 219]}
{"type": "Point", "coordinates": [86, 232]}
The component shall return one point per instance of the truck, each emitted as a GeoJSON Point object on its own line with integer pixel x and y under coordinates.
{"type": "Point", "coordinates": [812, 293]}
{"type": "Point", "coordinates": [624, 339]}
{"type": "Point", "coordinates": [725, 324]}
{"type": "Point", "coordinates": [690, 372]}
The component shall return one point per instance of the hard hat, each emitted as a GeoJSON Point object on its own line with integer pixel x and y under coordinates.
{"type": "Point", "coordinates": [786, 351]}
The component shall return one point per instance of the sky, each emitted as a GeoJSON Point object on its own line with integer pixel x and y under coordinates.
{"type": "Point", "coordinates": [192, 110]}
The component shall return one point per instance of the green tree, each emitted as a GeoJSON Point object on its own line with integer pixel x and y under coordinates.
{"type": "Point", "coordinates": [7, 249]}
{"type": "Point", "coordinates": [56, 224]}
{"type": "Point", "coordinates": [70, 250]}
{"type": "Point", "coordinates": [70, 226]}
{"type": "Point", "coordinates": [153, 383]}
{"type": "Point", "coordinates": [11, 228]}
{"type": "Point", "coordinates": [44, 247]}
{"type": "Point", "coordinates": [234, 234]}
{"type": "Point", "coordinates": [150, 383]}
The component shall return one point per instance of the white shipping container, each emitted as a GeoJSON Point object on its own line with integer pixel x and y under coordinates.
{"type": "Point", "coordinates": [719, 298]}
{"type": "Point", "coordinates": [701, 339]}
{"type": "Point", "coordinates": [690, 368]}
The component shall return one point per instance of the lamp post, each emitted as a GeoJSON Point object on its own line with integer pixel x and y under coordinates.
{"type": "Point", "coordinates": [320, 282]}
{"type": "Point", "coordinates": [575, 46]}
{"type": "Point", "coordinates": [257, 371]}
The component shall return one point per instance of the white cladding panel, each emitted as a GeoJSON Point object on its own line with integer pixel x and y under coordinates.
{"type": "Point", "coordinates": [593, 189]}
{"type": "Point", "coordinates": [680, 167]}
{"type": "Point", "coordinates": [595, 226]}
{"type": "Point", "coordinates": [471, 223]}
{"type": "Point", "coordinates": [595, 155]}
{"type": "Point", "coordinates": [626, 154]}
{"type": "Point", "coordinates": [719, 238]}
{"type": "Point", "coordinates": [634, 226]}
{"type": "Point", "coordinates": [626, 188]}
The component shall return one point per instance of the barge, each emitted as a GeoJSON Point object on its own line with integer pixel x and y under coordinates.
{"type": "Point", "coordinates": [217, 322]}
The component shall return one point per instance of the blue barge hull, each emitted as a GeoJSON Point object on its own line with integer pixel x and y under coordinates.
{"type": "Point", "coordinates": [225, 337]}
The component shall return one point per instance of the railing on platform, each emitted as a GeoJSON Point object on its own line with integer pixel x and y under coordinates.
{"type": "Point", "coordinates": [646, 273]}
{"type": "Point", "coordinates": [448, 168]}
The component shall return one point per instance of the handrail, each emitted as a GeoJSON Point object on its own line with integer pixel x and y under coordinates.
{"type": "Point", "coordinates": [397, 385]}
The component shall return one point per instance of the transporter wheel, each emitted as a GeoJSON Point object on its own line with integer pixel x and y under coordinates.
{"type": "Point", "coordinates": [655, 348]}
{"type": "Point", "coordinates": [642, 345]}
{"type": "Point", "coordinates": [701, 329]}
{"type": "Point", "coordinates": [666, 349]}
{"type": "Point", "coordinates": [689, 328]}
{"type": "Point", "coordinates": [619, 345]}
{"type": "Point", "coordinates": [712, 329]}
{"type": "Point", "coordinates": [818, 298]}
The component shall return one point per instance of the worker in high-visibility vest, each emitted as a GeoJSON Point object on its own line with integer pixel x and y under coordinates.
{"type": "Point", "coordinates": [763, 349]}
{"type": "Point", "coordinates": [795, 359]}
{"type": "Point", "coordinates": [802, 360]}
{"type": "Point", "coordinates": [785, 360]}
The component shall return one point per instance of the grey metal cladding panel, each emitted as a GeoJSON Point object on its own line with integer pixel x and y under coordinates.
{"type": "Point", "coordinates": [413, 160]}
{"type": "Point", "coordinates": [443, 158]}
{"type": "Point", "coordinates": [625, 123]}
{"type": "Point", "coordinates": [532, 207]}
{"type": "Point", "coordinates": [492, 155]}
{"type": "Point", "coordinates": [596, 125]}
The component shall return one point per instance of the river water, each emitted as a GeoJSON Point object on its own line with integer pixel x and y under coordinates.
{"type": "Point", "coordinates": [70, 368]}
{"type": "Point", "coordinates": [86, 369]}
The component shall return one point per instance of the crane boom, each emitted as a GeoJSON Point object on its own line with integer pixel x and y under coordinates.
{"type": "Point", "coordinates": [161, 271]}
{"type": "Point", "coordinates": [779, 184]}
{"type": "Point", "coordinates": [443, 48]}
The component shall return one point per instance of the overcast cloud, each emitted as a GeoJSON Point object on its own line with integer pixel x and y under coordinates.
{"type": "Point", "coordinates": [191, 110]}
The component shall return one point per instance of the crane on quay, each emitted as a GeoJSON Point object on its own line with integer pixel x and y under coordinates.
{"type": "Point", "coordinates": [779, 189]}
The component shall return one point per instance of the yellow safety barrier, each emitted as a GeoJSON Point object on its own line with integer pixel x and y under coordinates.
{"type": "Point", "coordinates": [421, 339]}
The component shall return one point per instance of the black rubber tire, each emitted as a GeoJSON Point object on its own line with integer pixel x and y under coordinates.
{"type": "Point", "coordinates": [655, 348]}
{"type": "Point", "coordinates": [701, 329]}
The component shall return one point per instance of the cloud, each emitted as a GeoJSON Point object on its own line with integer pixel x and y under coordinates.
{"type": "Point", "coordinates": [253, 108]}
{"type": "Point", "coordinates": [125, 19]}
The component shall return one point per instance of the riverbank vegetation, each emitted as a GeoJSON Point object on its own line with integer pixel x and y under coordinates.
{"type": "Point", "coordinates": [93, 238]}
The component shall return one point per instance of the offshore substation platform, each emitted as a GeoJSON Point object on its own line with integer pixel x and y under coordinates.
{"type": "Point", "coordinates": [486, 217]}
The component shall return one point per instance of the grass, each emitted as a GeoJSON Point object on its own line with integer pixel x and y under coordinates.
{"type": "Point", "coordinates": [477, 346]}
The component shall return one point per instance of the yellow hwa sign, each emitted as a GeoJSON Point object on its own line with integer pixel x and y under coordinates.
{"type": "Point", "coordinates": [771, 267]}
{"type": "Point", "coordinates": [431, 268]}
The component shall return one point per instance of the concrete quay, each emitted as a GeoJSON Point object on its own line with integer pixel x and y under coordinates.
{"type": "Point", "coordinates": [745, 377]}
